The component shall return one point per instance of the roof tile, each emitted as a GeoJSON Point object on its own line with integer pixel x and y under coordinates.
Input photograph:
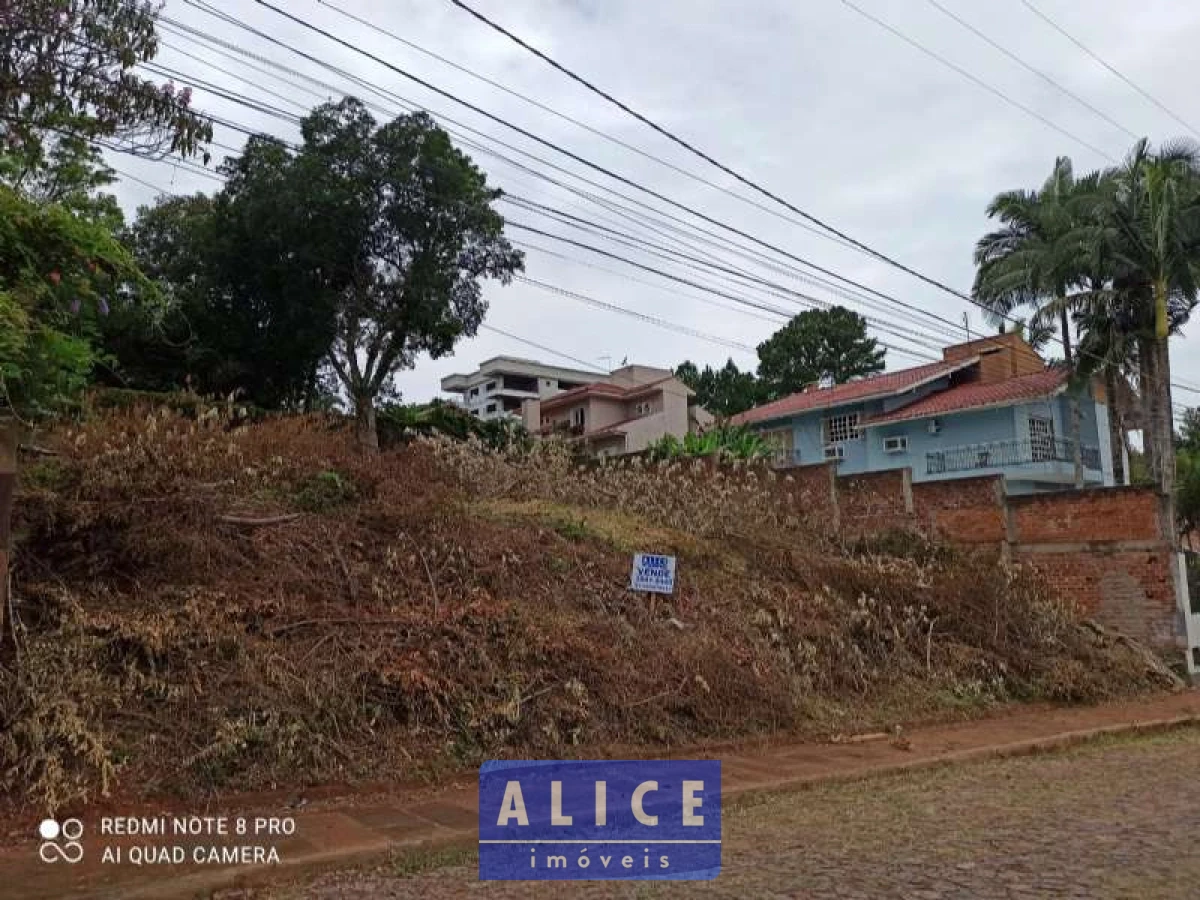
{"type": "Point", "coordinates": [877, 386]}
{"type": "Point", "coordinates": [974, 395]}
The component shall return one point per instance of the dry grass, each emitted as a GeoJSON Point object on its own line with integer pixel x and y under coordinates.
{"type": "Point", "coordinates": [438, 605]}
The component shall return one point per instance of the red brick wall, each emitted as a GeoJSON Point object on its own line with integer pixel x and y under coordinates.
{"type": "Point", "coordinates": [1132, 591]}
{"type": "Point", "coordinates": [810, 490]}
{"type": "Point", "coordinates": [1113, 514]}
{"type": "Point", "coordinates": [965, 510]}
{"type": "Point", "coordinates": [873, 501]}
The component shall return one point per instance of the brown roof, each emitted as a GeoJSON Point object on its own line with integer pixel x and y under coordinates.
{"type": "Point", "coordinates": [884, 385]}
{"type": "Point", "coordinates": [975, 395]}
{"type": "Point", "coordinates": [604, 389]}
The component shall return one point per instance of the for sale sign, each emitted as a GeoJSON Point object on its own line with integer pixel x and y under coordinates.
{"type": "Point", "coordinates": [630, 820]}
{"type": "Point", "coordinates": [653, 572]}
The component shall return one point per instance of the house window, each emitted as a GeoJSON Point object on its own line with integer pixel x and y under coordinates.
{"type": "Point", "coordinates": [474, 392]}
{"type": "Point", "coordinates": [577, 417]}
{"type": "Point", "coordinates": [491, 407]}
{"type": "Point", "coordinates": [842, 428]}
{"type": "Point", "coordinates": [781, 441]}
{"type": "Point", "coordinates": [642, 409]}
{"type": "Point", "coordinates": [1041, 438]}
{"type": "Point", "coordinates": [491, 386]}
{"type": "Point", "coordinates": [897, 444]}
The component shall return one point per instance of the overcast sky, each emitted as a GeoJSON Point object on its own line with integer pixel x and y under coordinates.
{"type": "Point", "coordinates": [809, 99]}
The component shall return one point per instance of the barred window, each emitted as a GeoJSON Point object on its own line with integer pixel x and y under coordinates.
{"type": "Point", "coordinates": [842, 428]}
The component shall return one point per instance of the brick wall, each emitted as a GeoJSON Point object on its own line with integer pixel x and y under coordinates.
{"type": "Point", "coordinates": [1102, 550]}
{"type": "Point", "coordinates": [812, 491]}
{"type": "Point", "coordinates": [1112, 514]}
{"type": "Point", "coordinates": [965, 510]}
{"type": "Point", "coordinates": [1132, 591]}
{"type": "Point", "coordinates": [875, 501]}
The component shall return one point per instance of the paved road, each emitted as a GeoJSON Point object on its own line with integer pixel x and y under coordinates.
{"type": "Point", "coordinates": [1119, 819]}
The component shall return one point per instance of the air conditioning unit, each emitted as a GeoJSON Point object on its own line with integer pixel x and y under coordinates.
{"type": "Point", "coordinates": [835, 451]}
{"type": "Point", "coordinates": [895, 445]}
{"type": "Point", "coordinates": [935, 426]}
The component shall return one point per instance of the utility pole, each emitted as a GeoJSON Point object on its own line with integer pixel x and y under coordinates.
{"type": "Point", "coordinates": [967, 326]}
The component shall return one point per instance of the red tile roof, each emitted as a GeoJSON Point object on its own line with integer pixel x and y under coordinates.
{"type": "Point", "coordinates": [974, 395]}
{"type": "Point", "coordinates": [884, 385]}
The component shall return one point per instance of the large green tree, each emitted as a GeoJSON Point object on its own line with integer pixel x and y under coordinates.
{"type": "Point", "coordinates": [369, 241]}
{"type": "Point", "coordinates": [241, 316]}
{"type": "Point", "coordinates": [816, 343]}
{"type": "Point", "coordinates": [723, 392]}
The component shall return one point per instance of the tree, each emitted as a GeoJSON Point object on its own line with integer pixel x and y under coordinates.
{"type": "Point", "coordinates": [66, 66]}
{"type": "Point", "coordinates": [723, 392]}
{"type": "Point", "coordinates": [241, 316]}
{"type": "Point", "coordinates": [58, 274]}
{"type": "Point", "coordinates": [1038, 254]}
{"type": "Point", "coordinates": [820, 342]}
{"type": "Point", "coordinates": [1152, 233]}
{"type": "Point", "coordinates": [1038, 257]}
{"type": "Point", "coordinates": [390, 228]}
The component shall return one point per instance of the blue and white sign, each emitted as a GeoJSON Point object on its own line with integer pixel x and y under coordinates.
{"type": "Point", "coordinates": [654, 573]}
{"type": "Point", "coordinates": [577, 820]}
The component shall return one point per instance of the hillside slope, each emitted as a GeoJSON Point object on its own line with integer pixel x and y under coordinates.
{"type": "Point", "coordinates": [209, 608]}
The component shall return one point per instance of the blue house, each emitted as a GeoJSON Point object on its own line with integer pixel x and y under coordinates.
{"type": "Point", "coordinates": [990, 406]}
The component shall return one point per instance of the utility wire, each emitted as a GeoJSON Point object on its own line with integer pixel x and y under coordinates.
{"type": "Point", "coordinates": [1029, 68]}
{"type": "Point", "coordinates": [1045, 18]}
{"type": "Point", "coordinates": [206, 8]}
{"type": "Point", "coordinates": [699, 179]}
{"type": "Point", "coordinates": [543, 162]}
{"type": "Point", "coordinates": [596, 166]}
{"type": "Point", "coordinates": [974, 79]}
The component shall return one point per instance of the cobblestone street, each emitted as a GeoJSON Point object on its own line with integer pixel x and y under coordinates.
{"type": "Point", "coordinates": [1115, 819]}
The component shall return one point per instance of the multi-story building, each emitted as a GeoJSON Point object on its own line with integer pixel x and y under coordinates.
{"type": "Point", "coordinates": [990, 406]}
{"type": "Point", "coordinates": [501, 384]}
{"type": "Point", "coordinates": [631, 409]}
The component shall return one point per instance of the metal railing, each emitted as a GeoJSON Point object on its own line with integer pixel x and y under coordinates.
{"type": "Point", "coordinates": [1001, 454]}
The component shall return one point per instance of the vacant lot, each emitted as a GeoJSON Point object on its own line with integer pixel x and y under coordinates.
{"type": "Point", "coordinates": [1114, 819]}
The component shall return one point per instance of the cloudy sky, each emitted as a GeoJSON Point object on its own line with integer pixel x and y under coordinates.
{"type": "Point", "coordinates": [811, 99]}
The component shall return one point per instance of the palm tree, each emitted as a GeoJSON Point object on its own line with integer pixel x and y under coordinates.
{"type": "Point", "coordinates": [1038, 255]}
{"type": "Point", "coordinates": [1151, 232]}
{"type": "Point", "coordinates": [1037, 258]}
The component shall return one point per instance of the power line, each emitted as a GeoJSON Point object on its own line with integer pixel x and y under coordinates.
{"type": "Point", "coordinates": [596, 166]}
{"type": "Point", "coordinates": [653, 320]}
{"type": "Point", "coordinates": [199, 4]}
{"type": "Point", "coordinates": [224, 17]}
{"type": "Point", "coordinates": [289, 117]}
{"type": "Point", "coordinates": [692, 262]}
{"type": "Point", "coordinates": [1045, 18]}
{"type": "Point", "coordinates": [1029, 68]}
{"type": "Point", "coordinates": [587, 365]}
{"type": "Point", "coordinates": [699, 179]}
{"type": "Point", "coordinates": [974, 79]}
{"type": "Point", "coordinates": [691, 148]}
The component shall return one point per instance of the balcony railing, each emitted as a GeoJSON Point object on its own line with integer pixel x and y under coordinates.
{"type": "Point", "coordinates": [1002, 454]}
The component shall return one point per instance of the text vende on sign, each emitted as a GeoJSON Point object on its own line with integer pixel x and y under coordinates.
{"type": "Point", "coordinates": [599, 819]}
{"type": "Point", "coordinates": [653, 572]}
